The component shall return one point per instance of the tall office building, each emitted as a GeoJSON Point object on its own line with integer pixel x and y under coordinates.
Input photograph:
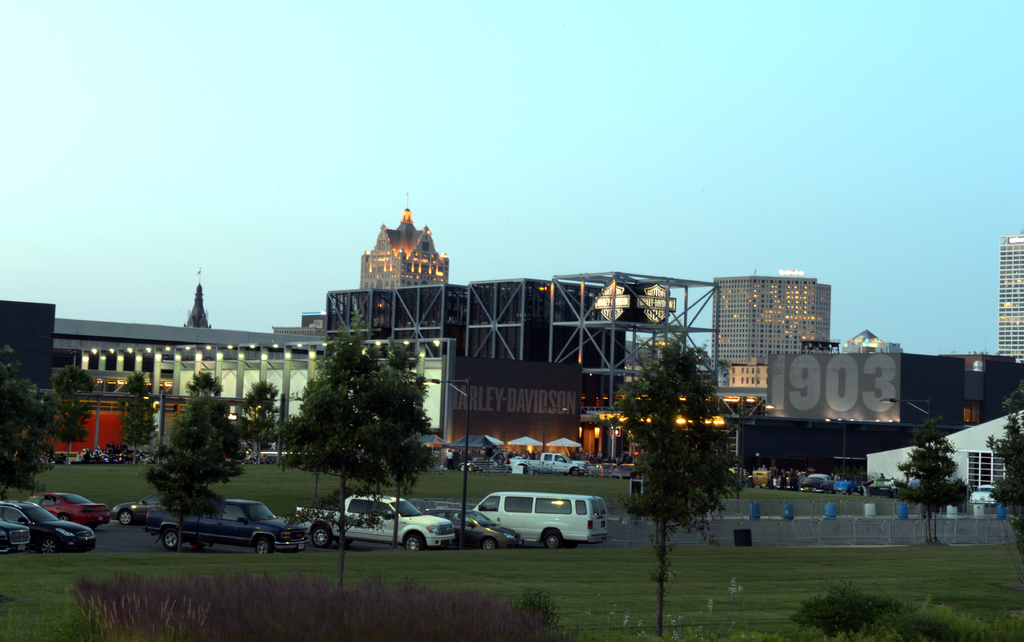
{"type": "Point", "coordinates": [1011, 296]}
{"type": "Point", "coordinates": [761, 315]}
{"type": "Point", "coordinates": [402, 256]}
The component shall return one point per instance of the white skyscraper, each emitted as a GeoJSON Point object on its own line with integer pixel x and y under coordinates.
{"type": "Point", "coordinates": [1011, 296]}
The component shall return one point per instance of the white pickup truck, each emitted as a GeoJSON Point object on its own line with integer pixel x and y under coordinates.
{"type": "Point", "coordinates": [416, 531]}
{"type": "Point", "coordinates": [552, 463]}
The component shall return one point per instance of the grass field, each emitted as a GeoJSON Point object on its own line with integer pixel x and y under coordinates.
{"type": "Point", "coordinates": [594, 587]}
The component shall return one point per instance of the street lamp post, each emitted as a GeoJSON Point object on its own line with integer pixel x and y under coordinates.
{"type": "Point", "coordinates": [465, 453]}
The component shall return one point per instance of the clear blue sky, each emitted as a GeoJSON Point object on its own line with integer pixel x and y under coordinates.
{"type": "Point", "coordinates": [876, 146]}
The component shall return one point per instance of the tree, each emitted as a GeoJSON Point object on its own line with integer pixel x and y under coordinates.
{"type": "Point", "coordinates": [258, 416]}
{"type": "Point", "coordinates": [202, 448]}
{"type": "Point", "coordinates": [668, 411]}
{"type": "Point", "coordinates": [69, 384]}
{"type": "Point", "coordinates": [26, 428]}
{"type": "Point", "coordinates": [1009, 491]}
{"type": "Point", "coordinates": [931, 462]}
{"type": "Point", "coordinates": [137, 413]}
{"type": "Point", "coordinates": [363, 401]}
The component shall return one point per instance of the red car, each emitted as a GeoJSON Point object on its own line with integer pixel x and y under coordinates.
{"type": "Point", "coordinates": [72, 508]}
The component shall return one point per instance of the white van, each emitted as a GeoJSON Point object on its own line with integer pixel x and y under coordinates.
{"type": "Point", "coordinates": [554, 519]}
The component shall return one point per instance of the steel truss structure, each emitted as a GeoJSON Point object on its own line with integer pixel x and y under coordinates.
{"type": "Point", "coordinates": [509, 319]}
{"type": "Point", "coordinates": [609, 322]}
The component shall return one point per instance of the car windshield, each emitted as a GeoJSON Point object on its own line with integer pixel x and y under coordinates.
{"type": "Point", "coordinates": [259, 512]}
{"type": "Point", "coordinates": [75, 499]}
{"type": "Point", "coordinates": [479, 517]}
{"type": "Point", "coordinates": [405, 509]}
{"type": "Point", "coordinates": [37, 514]}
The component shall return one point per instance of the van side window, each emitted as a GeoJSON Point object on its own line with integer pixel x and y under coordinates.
{"type": "Point", "coordinates": [553, 506]}
{"type": "Point", "coordinates": [518, 504]}
{"type": "Point", "coordinates": [491, 503]}
{"type": "Point", "coordinates": [581, 507]}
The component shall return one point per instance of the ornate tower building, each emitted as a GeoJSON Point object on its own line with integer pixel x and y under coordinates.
{"type": "Point", "coordinates": [197, 318]}
{"type": "Point", "coordinates": [403, 256]}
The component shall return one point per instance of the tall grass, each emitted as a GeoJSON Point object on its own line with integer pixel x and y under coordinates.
{"type": "Point", "coordinates": [193, 608]}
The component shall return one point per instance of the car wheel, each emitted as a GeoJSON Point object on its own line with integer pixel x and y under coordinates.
{"type": "Point", "coordinates": [64, 517]}
{"type": "Point", "coordinates": [415, 542]}
{"type": "Point", "coordinates": [169, 539]}
{"type": "Point", "coordinates": [48, 544]}
{"type": "Point", "coordinates": [321, 536]}
{"type": "Point", "coordinates": [575, 472]}
{"type": "Point", "coordinates": [125, 517]}
{"type": "Point", "coordinates": [488, 544]}
{"type": "Point", "coordinates": [552, 539]}
{"type": "Point", "coordinates": [263, 546]}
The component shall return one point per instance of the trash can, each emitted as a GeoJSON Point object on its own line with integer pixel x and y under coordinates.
{"type": "Point", "coordinates": [788, 511]}
{"type": "Point", "coordinates": [755, 511]}
{"type": "Point", "coordinates": [902, 511]}
{"type": "Point", "coordinates": [1000, 512]}
{"type": "Point", "coordinates": [830, 511]}
{"type": "Point", "coordinates": [741, 537]}
{"type": "Point", "coordinates": [979, 510]}
{"type": "Point", "coordinates": [869, 510]}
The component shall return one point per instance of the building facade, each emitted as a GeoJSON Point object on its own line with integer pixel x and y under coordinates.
{"type": "Point", "coordinates": [402, 256]}
{"type": "Point", "coordinates": [866, 342]}
{"type": "Point", "coordinates": [1011, 296]}
{"type": "Point", "coordinates": [761, 315]}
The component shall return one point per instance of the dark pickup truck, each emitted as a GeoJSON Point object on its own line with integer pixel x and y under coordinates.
{"type": "Point", "coordinates": [239, 522]}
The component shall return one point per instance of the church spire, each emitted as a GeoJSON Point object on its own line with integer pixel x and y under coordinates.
{"type": "Point", "coordinates": [198, 317]}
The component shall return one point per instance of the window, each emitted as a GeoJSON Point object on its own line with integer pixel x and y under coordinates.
{"type": "Point", "coordinates": [490, 504]}
{"type": "Point", "coordinates": [519, 504]}
{"type": "Point", "coordinates": [581, 507]}
{"type": "Point", "coordinates": [359, 506]}
{"type": "Point", "coordinates": [231, 513]}
{"type": "Point", "coordinates": [551, 506]}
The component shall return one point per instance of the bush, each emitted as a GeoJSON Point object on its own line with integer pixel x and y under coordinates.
{"type": "Point", "coordinates": [845, 609]}
{"type": "Point", "coordinates": [540, 602]}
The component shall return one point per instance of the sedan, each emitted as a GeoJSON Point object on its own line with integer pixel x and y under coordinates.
{"type": "Point", "coordinates": [817, 483]}
{"type": "Point", "coordinates": [47, 533]}
{"type": "Point", "coordinates": [480, 531]}
{"type": "Point", "coordinates": [131, 512]}
{"type": "Point", "coordinates": [72, 508]}
{"type": "Point", "coordinates": [983, 495]}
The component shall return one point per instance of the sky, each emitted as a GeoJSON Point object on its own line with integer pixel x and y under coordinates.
{"type": "Point", "coordinates": [875, 146]}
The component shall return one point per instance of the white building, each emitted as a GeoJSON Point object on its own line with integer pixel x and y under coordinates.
{"type": "Point", "coordinates": [1011, 296]}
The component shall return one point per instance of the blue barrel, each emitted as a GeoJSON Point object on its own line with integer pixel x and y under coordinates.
{"type": "Point", "coordinates": [788, 512]}
{"type": "Point", "coordinates": [755, 511]}
{"type": "Point", "coordinates": [902, 511]}
{"type": "Point", "coordinates": [1000, 512]}
{"type": "Point", "coordinates": [830, 511]}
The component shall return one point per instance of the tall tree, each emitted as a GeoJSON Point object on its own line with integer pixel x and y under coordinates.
{"type": "Point", "coordinates": [204, 447]}
{"type": "Point", "coordinates": [669, 413]}
{"type": "Point", "coordinates": [930, 461]}
{"type": "Point", "coordinates": [258, 417]}
{"type": "Point", "coordinates": [26, 428]}
{"type": "Point", "coordinates": [70, 384]}
{"type": "Point", "coordinates": [1009, 491]}
{"type": "Point", "coordinates": [137, 413]}
{"type": "Point", "coordinates": [363, 400]}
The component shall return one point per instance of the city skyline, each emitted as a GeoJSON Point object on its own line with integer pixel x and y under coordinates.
{"type": "Point", "coordinates": [876, 148]}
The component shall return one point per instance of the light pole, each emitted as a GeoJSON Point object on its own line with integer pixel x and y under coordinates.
{"type": "Point", "coordinates": [465, 452]}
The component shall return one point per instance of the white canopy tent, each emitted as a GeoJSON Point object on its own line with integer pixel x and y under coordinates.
{"type": "Point", "coordinates": [564, 443]}
{"type": "Point", "coordinates": [523, 441]}
{"type": "Point", "coordinates": [970, 444]}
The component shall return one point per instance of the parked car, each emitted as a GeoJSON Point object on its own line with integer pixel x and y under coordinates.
{"type": "Point", "coordinates": [847, 486]}
{"type": "Point", "coordinates": [817, 483]}
{"type": "Point", "coordinates": [623, 471]}
{"type": "Point", "coordinates": [130, 512]}
{"type": "Point", "coordinates": [14, 538]}
{"type": "Point", "coordinates": [416, 531]}
{"type": "Point", "coordinates": [238, 522]}
{"type": "Point", "coordinates": [553, 519]}
{"type": "Point", "coordinates": [47, 533]}
{"type": "Point", "coordinates": [69, 507]}
{"type": "Point", "coordinates": [983, 495]}
{"type": "Point", "coordinates": [480, 531]}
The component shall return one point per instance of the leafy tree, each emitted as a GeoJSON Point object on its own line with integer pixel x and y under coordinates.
{"type": "Point", "coordinates": [137, 412]}
{"type": "Point", "coordinates": [362, 404]}
{"type": "Point", "coordinates": [931, 462]}
{"type": "Point", "coordinates": [73, 413]}
{"type": "Point", "coordinates": [1009, 491]}
{"type": "Point", "coordinates": [26, 428]}
{"type": "Point", "coordinates": [204, 382]}
{"type": "Point", "coordinates": [203, 448]}
{"type": "Point", "coordinates": [685, 458]}
{"type": "Point", "coordinates": [258, 416]}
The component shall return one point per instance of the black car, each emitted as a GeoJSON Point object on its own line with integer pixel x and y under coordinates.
{"type": "Point", "coordinates": [130, 512]}
{"type": "Point", "coordinates": [14, 538]}
{"type": "Point", "coordinates": [47, 534]}
{"type": "Point", "coordinates": [480, 531]}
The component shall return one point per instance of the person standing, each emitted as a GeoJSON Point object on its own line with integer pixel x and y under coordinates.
{"type": "Point", "coordinates": [451, 457]}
